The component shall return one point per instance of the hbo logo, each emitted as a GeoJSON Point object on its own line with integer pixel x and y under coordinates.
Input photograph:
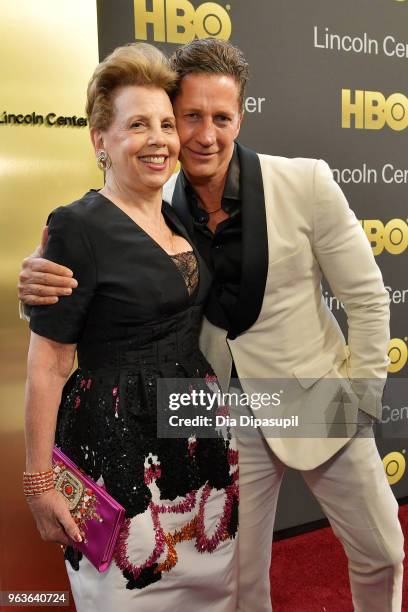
{"type": "Point", "coordinates": [398, 354]}
{"type": "Point", "coordinates": [393, 237]}
{"type": "Point", "coordinates": [177, 21]}
{"type": "Point", "coordinates": [370, 110]}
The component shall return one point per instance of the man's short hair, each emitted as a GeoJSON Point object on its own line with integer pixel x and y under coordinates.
{"type": "Point", "coordinates": [211, 56]}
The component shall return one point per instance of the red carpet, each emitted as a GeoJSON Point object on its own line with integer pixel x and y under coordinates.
{"type": "Point", "coordinates": [309, 572]}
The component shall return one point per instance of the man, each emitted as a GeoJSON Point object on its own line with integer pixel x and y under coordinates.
{"type": "Point", "coordinates": [268, 227]}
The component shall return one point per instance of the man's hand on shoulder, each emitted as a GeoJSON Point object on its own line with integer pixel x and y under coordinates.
{"type": "Point", "coordinates": [41, 281]}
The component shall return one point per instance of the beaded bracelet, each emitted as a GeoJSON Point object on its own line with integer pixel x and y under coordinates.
{"type": "Point", "coordinates": [35, 483]}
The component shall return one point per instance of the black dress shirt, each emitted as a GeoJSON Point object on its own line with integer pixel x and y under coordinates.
{"type": "Point", "coordinates": [221, 250]}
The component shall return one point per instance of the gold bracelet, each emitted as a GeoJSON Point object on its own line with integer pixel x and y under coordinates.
{"type": "Point", "coordinates": [35, 474]}
{"type": "Point", "coordinates": [35, 483]}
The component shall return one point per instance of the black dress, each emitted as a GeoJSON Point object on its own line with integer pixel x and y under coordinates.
{"type": "Point", "coordinates": [136, 317]}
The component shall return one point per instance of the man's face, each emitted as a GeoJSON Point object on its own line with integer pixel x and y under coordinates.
{"type": "Point", "coordinates": [208, 120]}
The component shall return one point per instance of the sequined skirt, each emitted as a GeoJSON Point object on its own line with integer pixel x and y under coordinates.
{"type": "Point", "coordinates": [180, 495]}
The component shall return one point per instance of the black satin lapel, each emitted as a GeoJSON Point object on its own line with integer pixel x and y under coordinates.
{"type": "Point", "coordinates": [180, 205]}
{"type": "Point", "coordinates": [254, 243]}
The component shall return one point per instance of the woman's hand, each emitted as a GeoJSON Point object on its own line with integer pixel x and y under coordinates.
{"type": "Point", "coordinates": [53, 519]}
{"type": "Point", "coordinates": [49, 365]}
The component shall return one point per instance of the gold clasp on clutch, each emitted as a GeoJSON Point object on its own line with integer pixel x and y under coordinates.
{"type": "Point", "coordinates": [71, 488]}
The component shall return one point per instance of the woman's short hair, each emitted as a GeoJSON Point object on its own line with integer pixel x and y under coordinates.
{"type": "Point", "coordinates": [211, 56]}
{"type": "Point", "coordinates": [134, 64]}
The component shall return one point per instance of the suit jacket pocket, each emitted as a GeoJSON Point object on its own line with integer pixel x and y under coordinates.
{"type": "Point", "coordinates": [327, 405]}
{"type": "Point", "coordinates": [311, 371]}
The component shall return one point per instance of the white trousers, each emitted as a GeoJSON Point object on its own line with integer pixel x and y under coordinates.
{"type": "Point", "coordinates": [353, 492]}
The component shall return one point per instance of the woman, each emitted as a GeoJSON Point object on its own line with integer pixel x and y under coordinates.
{"type": "Point", "coordinates": [134, 318]}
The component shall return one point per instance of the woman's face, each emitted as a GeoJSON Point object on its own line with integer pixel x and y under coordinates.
{"type": "Point", "coordinates": [142, 140]}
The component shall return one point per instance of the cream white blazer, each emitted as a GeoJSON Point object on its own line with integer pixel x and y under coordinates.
{"type": "Point", "coordinates": [310, 231]}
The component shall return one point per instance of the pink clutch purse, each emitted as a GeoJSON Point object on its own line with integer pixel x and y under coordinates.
{"type": "Point", "coordinates": [97, 514]}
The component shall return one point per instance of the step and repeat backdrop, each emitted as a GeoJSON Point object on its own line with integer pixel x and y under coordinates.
{"type": "Point", "coordinates": [328, 79]}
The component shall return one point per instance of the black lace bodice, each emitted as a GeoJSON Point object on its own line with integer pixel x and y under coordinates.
{"type": "Point", "coordinates": [187, 264]}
